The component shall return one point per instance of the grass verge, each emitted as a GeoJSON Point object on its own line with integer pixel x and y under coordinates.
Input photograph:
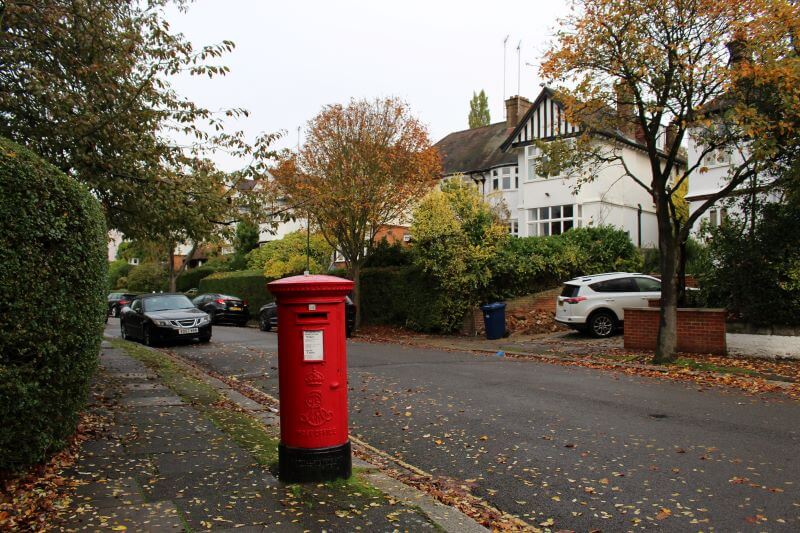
{"type": "Point", "coordinates": [246, 431]}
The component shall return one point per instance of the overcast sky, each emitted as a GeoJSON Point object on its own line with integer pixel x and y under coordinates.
{"type": "Point", "coordinates": [293, 57]}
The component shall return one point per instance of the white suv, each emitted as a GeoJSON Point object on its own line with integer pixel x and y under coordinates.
{"type": "Point", "coordinates": [595, 303]}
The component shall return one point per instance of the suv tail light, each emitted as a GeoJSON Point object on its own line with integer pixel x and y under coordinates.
{"type": "Point", "coordinates": [123, 302]}
{"type": "Point", "coordinates": [220, 301]}
{"type": "Point", "coordinates": [244, 302]}
{"type": "Point", "coordinates": [575, 300]}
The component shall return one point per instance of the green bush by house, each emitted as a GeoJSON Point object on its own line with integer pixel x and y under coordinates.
{"type": "Point", "coordinates": [248, 284]}
{"type": "Point", "coordinates": [118, 270]}
{"type": "Point", "coordinates": [148, 277]}
{"type": "Point", "coordinates": [52, 303]}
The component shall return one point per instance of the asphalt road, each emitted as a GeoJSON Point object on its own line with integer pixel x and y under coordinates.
{"type": "Point", "coordinates": [586, 448]}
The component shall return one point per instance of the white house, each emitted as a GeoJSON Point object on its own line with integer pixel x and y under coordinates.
{"type": "Point", "coordinates": [549, 205]}
{"type": "Point", "coordinates": [712, 175]}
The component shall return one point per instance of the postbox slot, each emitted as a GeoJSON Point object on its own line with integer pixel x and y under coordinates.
{"type": "Point", "coordinates": [311, 317]}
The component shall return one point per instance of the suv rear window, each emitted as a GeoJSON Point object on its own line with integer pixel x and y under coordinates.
{"type": "Point", "coordinates": [615, 285]}
{"type": "Point", "coordinates": [570, 291]}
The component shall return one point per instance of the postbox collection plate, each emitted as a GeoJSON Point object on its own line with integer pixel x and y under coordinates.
{"type": "Point", "coordinates": [313, 349]}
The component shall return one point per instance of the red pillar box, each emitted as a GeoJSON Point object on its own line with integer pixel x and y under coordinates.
{"type": "Point", "coordinates": [312, 375]}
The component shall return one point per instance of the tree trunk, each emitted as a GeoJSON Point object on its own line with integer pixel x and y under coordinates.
{"type": "Point", "coordinates": [355, 272]}
{"type": "Point", "coordinates": [682, 274]}
{"type": "Point", "coordinates": [171, 268]}
{"type": "Point", "coordinates": [668, 317]}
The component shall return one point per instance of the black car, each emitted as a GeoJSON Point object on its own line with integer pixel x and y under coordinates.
{"type": "Point", "coordinates": [154, 318]}
{"type": "Point", "coordinates": [224, 308]}
{"type": "Point", "coordinates": [118, 300]}
{"type": "Point", "coordinates": [268, 316]}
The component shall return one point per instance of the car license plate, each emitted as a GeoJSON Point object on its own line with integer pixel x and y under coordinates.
{"type": "Point", "coordinates": [234, 308]}
{"type": "Point", "coordinates": [187, 331]}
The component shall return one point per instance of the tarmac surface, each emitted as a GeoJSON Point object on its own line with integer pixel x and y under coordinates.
{"type": "Point", "coordinates": [564, 447]}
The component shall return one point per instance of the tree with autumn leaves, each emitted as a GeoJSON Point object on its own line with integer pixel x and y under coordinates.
{"type": "Point", "coordinates": [363, 166]}
{"type": "Point", "coordinates": [724, 72]}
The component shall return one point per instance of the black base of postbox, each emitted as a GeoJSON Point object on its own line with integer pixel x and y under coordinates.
{"type": "Point", "coordinates": [296, 465]}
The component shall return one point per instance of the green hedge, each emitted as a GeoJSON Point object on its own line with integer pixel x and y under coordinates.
{"type": "Point", "coordinates": [52, 304]}
{"type": "Point", "coordinates": [403, 296]}
{"type": "Point", "coordinates": [248, 284]}
{"type": "Point", "coordinates": [190, 279]}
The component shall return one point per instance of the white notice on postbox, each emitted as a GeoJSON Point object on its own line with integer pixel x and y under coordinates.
{"type": "Point", "coordinates": [312, 346]}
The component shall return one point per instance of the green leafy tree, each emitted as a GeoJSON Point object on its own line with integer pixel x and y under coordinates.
{"type": "Point", "coordinates": [456, 237]}
{"type": "Point", "coordinates": [86, 84]}
{"type": "Point", "coordinates": [147, 277]}
{"type": "Point", "coordinates": [118, 270]}
{"type": "Point", "coordinates": [244, 242]}
{"type": "Point", "coordinates": [479, 110]}
{"type": "Point", "coordinates": [287, 256]}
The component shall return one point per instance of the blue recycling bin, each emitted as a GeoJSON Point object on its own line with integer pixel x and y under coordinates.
{"type": "Point", "coordinates": [494, 318]}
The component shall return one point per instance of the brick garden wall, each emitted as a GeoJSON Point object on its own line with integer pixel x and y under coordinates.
{"type": "Point", "coordinates": [699, 330]}
{"type": "Point", "coordinates": [540, 301]}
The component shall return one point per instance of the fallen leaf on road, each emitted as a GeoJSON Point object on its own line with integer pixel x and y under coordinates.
{"type": "Point", "coordinates": [663, 513]}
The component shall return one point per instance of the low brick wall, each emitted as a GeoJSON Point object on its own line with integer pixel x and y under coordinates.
{"type": "Point", "coordinates": [540, 301]}
{"type": "Point", "coordinates": [699, 330]}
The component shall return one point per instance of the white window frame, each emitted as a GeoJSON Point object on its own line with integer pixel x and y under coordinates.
{"type": "Point", "coordinates": [530, 158]}
{"type": "Point", "coordinates": [720, 157]}
{"type": "Point", "coordinates": [513, 227]}
{"type": "Point", "coordinates": [539, 226]}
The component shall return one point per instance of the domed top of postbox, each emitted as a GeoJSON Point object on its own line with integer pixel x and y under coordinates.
{"type": "Point", "coordinates": [311, 285]}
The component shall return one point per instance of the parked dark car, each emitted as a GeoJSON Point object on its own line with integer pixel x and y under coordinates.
{"type": "Point", "coordinates": [118, 300]}
{"type": "Point", "coordinates": [154, 318]}
{"type": "Point", "coordinates": [268, 316]}
{"type": "Point", "coordinates": [224, 308]}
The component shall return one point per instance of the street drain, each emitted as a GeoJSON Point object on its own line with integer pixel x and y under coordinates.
{"type": "Point", "coordinates": [657, 415]}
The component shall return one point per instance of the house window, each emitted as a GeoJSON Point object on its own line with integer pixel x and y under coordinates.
{"type": "Point", "coordinates": [134, 261]}
{"type": "Point", "coordinates": [513, 227]}
{"type": "Point", "coordinates": [717, 216]}
{"type": "Point", "coordinates": [531, 156]}
{"type": "Point", "coordinates": [506, 178]}
{"type": "Point", "coordinates": [495, 180]}
{"type": "Point", "coordinates": [553, 220]}
{"type": "Point", "coordinates": [717, 158]}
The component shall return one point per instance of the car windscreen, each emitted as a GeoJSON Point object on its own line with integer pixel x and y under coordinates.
{"type": "Point", "coordinates": [570, 291]}
{"type": "Point", "coordinates": [167, 302]}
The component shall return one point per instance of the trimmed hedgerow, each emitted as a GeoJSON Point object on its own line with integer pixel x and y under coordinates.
{"type": "Point", "coordinates": [250, 285]}
{"type": "Point", "coordinates": [402, 295]}
{"type": "Point", "coordinates": [52, 303]}
{"type": "Point", "coordinates": [190, 279]}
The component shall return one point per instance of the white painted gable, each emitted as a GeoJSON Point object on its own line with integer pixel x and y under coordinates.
{"type": "Point", "coordinates": [546, 120]}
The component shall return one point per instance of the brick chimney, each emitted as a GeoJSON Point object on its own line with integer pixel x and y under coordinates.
{"type": "Point", "coordinates": [516, 107]}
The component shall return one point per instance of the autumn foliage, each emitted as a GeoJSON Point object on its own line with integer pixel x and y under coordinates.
{"type": "Point", "coordinates": [363, 165]}
{"type": "Point", "coordinates": [725, 73]}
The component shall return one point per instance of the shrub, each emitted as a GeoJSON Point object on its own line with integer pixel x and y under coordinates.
{"type": "Point", "coordinates": [287, 256]}
{"type": "Point", "coordinates": [531, 264]}
{"type": "Point", "coordinates": [148, 277]}
{"type": "Point", "coordinates": [756, 275]}
{"type": "Point", "coordinates": [190, 279]}
{"type": "Point", "coordinates": [118, 270]}
{"type": "Point", "coordinates": [52, 303]}
{"type": "Point", "coordinates": [403, 296]}
{"type": "Point", "coordinates": [385, 255]}
{"type": "Point", "coordinates": [250, 285]}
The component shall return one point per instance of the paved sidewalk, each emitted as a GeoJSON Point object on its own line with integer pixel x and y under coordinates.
{"type": "Point", "coordinates": [767, 346]}
{"type": "Point", "coordinates": [164, 466]}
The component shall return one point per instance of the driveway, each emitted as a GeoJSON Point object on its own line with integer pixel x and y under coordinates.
{"type": "Point", "coordinates": [568, 446]}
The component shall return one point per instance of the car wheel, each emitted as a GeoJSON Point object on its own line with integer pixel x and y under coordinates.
{"type": "Point", "coordinates": [602, 324]}
{"type": "Point", "coordinates": [123, 333]}
{"type": "Point", "coordinates": [263, 322]}
{"type": "Point", "coordinates": [212, 316]}
{"type": "Point", "coordinates": [348, 332]}
{"type": "Point", "coordinates": [147, 336]}
{"type": "Point", "coordinates": [205, 339]}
